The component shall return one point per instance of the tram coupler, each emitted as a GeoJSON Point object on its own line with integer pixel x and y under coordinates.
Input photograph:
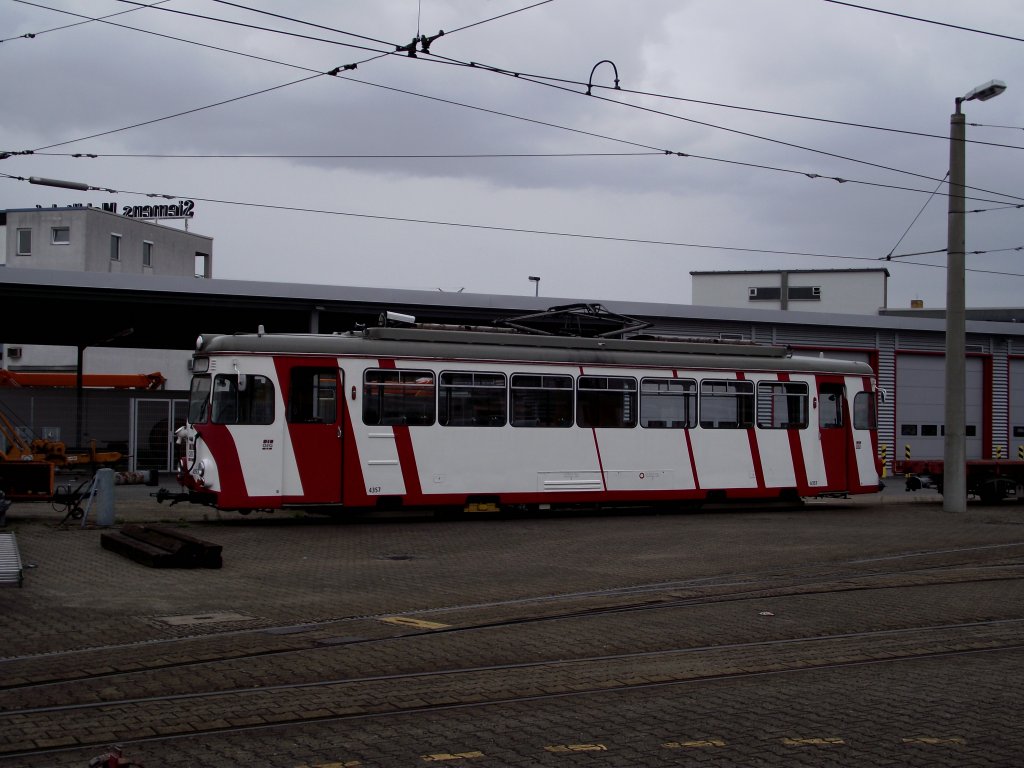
{"type": "Point", "coordinates": [163, 495]}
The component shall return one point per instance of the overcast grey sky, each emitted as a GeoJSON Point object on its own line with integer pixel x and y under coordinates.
{"type": "Point", "coordinates": [597, 171]}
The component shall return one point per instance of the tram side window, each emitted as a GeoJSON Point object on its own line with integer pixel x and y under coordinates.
{"type": "Point", "coordinates": [313, 397]}
{"type": "Point", "coordinates": [393, 396]}
{"type": "Point", "coordinates": [726, 404]}
{"type": "Point", "coordinates": [668, 403]}
{"type": "Point", "coordinates": [243, 399]}
{"type": "Point", "coordinates": [541, 400]}
{"type": "Point", "coordinates": [781, 405]}
{"type": "Point", "coordinates": [606, 401]}
{"type": "Point", "coordinates": [865, 411]}
{"type": "Point", "coordinates": [467, 399]}
{"type": "Point", "coordinates": [830, 406]}
{"type": "Point", "coordinates": [199, 399]}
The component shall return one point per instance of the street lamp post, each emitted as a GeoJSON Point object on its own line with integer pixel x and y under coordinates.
{"type": "Point", "coordinates": [954, 489]}
{"type": "Point", "coordinates": [536, 284]}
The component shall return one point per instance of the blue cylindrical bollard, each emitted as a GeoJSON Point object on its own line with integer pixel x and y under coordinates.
{"type": "Point", "coordinates": [105, 497]}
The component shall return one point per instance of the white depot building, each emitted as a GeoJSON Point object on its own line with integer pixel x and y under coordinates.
{"type": "Point", "coordinates": [843, 291]}
{"type": "Point", "coordinates": [129, 240]}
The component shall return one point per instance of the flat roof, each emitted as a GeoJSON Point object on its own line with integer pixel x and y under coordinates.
{"type": "Point", "coordinates": [72, 308]}
{"type": "Point", "coordinates": [787, 271]}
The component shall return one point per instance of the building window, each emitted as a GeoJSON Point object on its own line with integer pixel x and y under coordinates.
{"type": "Point", "coordinates": [202, 267]}
{"type": "Point", "coordinates": [61, 235]}
{"type": "Point", "coordinates": [764, 293]}
{"type": "Point", "coordinates": [24, 242]}
{"type": "Point", "coordinates": [805, 293]}
{"type": "Point", "coordinates": [115, 247]}
{"type": "Point", "coordinates": [147, 253]}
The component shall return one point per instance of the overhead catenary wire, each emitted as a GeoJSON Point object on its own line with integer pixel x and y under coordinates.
{"type": "Point", "coordinates": [400, 156]}
{"type": "Point", "coordinates": [33, 35]}
{"type": "Point", "coordinates": [926, 21]}
{"type": "Point", "coordinates": [499, 155]}
{"type": "Point", "coordinates": [517, 230]}
{"type": "Point", "coordinates": [542, 82]}
{"type": "Point", "coordinates": [810, 175]}
{"type": "Point", "coordinates": [914, 220]}
{"type": "Point", "coordinates": [185, 112]}
{"type": "Point", "coordinates": [530, 79]}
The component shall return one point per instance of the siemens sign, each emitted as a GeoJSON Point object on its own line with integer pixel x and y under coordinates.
{"type": "Point", "coordinates": [183, 209]}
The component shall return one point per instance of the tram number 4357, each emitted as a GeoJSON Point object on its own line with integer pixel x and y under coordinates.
{"type": "Point", "coordinates": [372, 490]}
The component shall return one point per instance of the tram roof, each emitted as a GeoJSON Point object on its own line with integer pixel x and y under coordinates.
{"type": "Point", "coordinates": [452, 345]}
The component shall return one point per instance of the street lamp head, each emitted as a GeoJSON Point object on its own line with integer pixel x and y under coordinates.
{"type": "Point", "coordinates": [989, 90]}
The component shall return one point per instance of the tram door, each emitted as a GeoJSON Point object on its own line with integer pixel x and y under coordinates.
{"type": "Point", "coordinates": [315, 428]}
{"type": "Point", "coordinates": [834, 433]}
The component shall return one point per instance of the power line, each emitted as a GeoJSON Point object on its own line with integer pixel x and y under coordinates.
{"type": "Point", "coordinates": [461, 156]}
{"type": "Point", "coordinates": [914, 221]}
{"type": "Point", "coordinates": [186, 112]}
{"type": "Point", "coordinates": [986, 125]}
{"type": "Point", "coordinates": [258, 28]}
{"type": "Point", "coordinates": [299, 21]}
{"type": "Point", "coordinates": [495, 18]}
{"type": "Point", "coordinates": [541, 82]}
{"type": "Point", "coordinates": [32, 35]}
{"type": "Point", "coordinates": [496, 155]}
{"type": "Point", "coordinates": [104, 20]}
{"type": "Point", "coordinates": [515, 230]}
{"type": "Point", "coordinates": [926, 21]}
{"type": "Point", "coordinates": [532, 79]}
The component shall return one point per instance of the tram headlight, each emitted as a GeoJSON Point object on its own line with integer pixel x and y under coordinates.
{"type": "Point", "coordinates": [201, 468]}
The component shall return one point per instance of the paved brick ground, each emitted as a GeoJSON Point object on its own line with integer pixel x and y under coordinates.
{"type": "Point", "coordinates": [302, 600]}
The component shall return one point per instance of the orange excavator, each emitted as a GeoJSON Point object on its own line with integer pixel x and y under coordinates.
{"type": "Point", "coordinates": [147, 381]}
{"type": "Point", "coordinates": [54, 452]}
{"type": "Point", "coordinates": [28, 467]}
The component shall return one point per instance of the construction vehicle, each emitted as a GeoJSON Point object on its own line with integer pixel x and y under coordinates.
{"type": "Point", "coordinates": [53, 451]}
{"type": "Point", "coordinates": [28, 467]}
{"type": "Point", "coordinates": [145, 381]}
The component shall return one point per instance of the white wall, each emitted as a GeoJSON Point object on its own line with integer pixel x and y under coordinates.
{"type": "Point", "coordinates": [858, 293]}
{"type": "Point", "coordinates": [171, 363]}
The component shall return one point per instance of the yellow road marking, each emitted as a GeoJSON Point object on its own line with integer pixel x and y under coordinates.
{"type": "Point", "coordinates": [812, 742]}
{"type": "Point", "coordinates": [444, 756]}
{"type": "Point", "coordinates": [406, 621]}
{"type": "Point", "coordinates": [577, 748]}
{"type": "Point", "coordinates": [699, 744]}
{"type": "Point", "coordinates": [935, 740]}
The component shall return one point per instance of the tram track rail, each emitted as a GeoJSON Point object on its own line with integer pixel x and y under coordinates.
{"type": "Point", "coordinates": [425, 692]}
{"type": "Point", "coordinates": [704, 630]}
{"type": "Point", "coordinates": [316, 636]}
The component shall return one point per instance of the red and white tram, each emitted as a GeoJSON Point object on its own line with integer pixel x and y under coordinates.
{"type": "Point", "coordinates": [445, 416]}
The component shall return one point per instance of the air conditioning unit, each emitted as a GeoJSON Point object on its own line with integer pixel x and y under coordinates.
{"type": "Point", "coordinates": [14, 353]}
